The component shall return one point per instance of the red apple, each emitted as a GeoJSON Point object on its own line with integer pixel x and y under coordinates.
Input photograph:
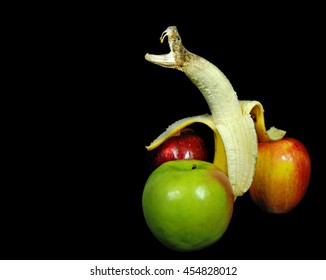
{"type": "Point", "coordinates": [187, 144]}
{"type": "Point", "coordinates": [282, 175]}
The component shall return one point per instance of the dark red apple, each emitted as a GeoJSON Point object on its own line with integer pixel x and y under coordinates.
{"type": "Point", "coordinates": [282, 175]}
{"type": "Point", "coordinates": [187, 144]}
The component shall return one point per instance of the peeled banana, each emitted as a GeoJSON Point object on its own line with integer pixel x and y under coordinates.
{"type": "Point", "coordinates": [238, 126]}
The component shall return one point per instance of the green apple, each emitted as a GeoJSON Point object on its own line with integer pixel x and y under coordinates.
{"type": "Point", "coordinates": [187, 204]}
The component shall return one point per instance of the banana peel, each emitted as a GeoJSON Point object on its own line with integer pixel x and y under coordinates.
{"type": "Point", "coordinates": [238, 125]}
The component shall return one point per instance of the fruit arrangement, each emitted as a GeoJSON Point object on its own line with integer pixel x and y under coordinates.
{"type": "Point", "coordinates": [188, 201]}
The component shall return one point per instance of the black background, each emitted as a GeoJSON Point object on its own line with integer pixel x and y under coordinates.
{"type": "Point", "coordinates": [83, 104]}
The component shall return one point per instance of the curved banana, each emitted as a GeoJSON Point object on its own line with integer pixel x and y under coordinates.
{"type": "Point", "coordinates": [233, 122]}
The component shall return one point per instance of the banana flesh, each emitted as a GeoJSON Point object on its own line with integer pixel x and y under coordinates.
{"type": "Point", "coordinates": [237, 125]}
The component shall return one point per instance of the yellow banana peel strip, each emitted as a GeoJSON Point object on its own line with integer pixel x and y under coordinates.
{"type": "Point", "coordinates": [256, 110]}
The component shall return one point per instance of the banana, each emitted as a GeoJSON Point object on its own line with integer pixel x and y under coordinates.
{"type": "Point", "coordinates": [238, 126]}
